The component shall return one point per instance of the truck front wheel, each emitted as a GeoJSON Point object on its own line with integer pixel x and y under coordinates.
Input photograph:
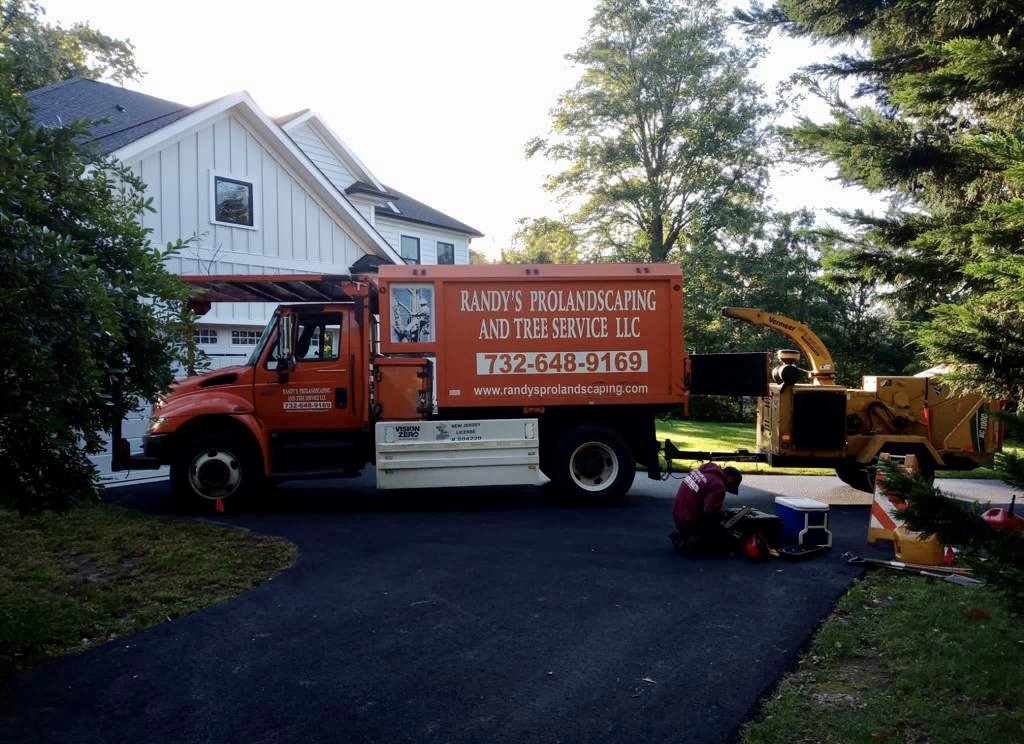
{"type": "Point", "coordinates": [593, 464]}
{"type": "Point", "coordinates": [216, 466]}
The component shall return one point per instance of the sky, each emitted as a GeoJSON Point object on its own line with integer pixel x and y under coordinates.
{"type": "Point", "coordinates": [437, 97]}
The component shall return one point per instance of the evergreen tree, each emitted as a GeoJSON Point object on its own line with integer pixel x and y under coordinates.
{"type": "Point", "coordinates": [942, 133]}
{"type": "Point", "coordinates": [943, 136]}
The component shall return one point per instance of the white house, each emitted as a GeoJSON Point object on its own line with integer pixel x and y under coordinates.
{"type": "Point", "coordinates": [255, 195]}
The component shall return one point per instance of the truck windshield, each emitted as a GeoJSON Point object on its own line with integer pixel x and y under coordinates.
{"type": "Point", "coordinates": [255, 356]}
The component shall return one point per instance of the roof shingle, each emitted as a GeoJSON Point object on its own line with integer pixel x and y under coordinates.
{"type": "Point", "coordinates": [128, 115]}
{"type": "Point", "coordinates": [416, 211]}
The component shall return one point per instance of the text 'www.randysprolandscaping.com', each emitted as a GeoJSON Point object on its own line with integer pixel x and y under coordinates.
{"type": "Point", "coordinates": [540, 390]}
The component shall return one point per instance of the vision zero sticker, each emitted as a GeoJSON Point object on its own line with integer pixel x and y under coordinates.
{"type": "Point", "coordinates": [306, 399]}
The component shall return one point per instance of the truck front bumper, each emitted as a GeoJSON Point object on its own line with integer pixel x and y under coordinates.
{"type": "Point", "coordinates": [156, 447]}
{"type": "Point", "coordinates": [152, 457]}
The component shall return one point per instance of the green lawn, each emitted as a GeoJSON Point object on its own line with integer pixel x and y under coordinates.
{"type": "Point", "coordinates": [71, 581]}
{"type": "Point", "coordinates": [904, 659]}
{"type": "Point", "coordinates": [717, 437]}
{"type": "Point", "coordinates": [710, 436]}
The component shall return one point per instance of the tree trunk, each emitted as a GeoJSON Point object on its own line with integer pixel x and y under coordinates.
{"type": "Point", "coordinates": [656, 237]}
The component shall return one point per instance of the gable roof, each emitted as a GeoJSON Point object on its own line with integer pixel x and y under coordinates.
{"type": "Point", "coordinates": [282, 120]}
{"type": "Point", "coordinates": [411, 210]}
{"type": "Point", "coordinates": [131, 115]}
{"type": "Point", "coordinates": [134, 116]}
{"type": "Point", "coordinates": [408, 209]}
{"type": "Point", "coordinates": [141, 125]}
{"type": "Point", "coordinates": [332, 142]}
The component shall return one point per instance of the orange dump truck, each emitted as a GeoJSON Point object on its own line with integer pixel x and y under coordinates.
{"type": "Point", "coordinates": [438, 376]}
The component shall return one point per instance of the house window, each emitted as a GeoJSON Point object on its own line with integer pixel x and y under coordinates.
{"type": "Point", "coordinates": [445, 253]}
{"type": "Point", "coordinates": [245, 338]}
{"type": "Point", "coordinates": [410, 249]}
{"type": "Point", "coordinates": [205, 336]}
{"type": "Point", "coordinates": [233, 202]}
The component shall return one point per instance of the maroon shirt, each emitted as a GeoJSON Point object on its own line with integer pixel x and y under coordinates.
{"type": "Point", "coordinates": [701, 492]}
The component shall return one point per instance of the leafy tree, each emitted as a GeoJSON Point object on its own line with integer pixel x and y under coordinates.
{"type": "Point", "coordinates": [663, 139]}
{"type": "Point", "coordinates": [89, 317]}
{"type": "Point", "coordinates": [477, 257]}
{"type": "Point", "coordinates": [780, 270]}
{"type": "Point", "coordinates": [942, 133]}
{"type": "Point", "coordinates": [542, 240]}
{"type": "Point", "coordinates": [41, 53]}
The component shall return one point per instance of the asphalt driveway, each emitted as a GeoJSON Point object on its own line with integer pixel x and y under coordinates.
{"type": "Point", "coordinates": [492, 615]}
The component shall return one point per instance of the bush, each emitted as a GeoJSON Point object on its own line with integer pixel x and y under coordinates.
{"type": "Point", "coordinates": [89, 316]}
{"type": "Point", "coordinates": [726, 410]}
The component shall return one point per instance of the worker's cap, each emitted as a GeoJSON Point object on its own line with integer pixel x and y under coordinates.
{"type": "Point", "coordinates": [737, 478]}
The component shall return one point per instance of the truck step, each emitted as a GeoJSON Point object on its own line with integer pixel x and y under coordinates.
{"type": "Point", "coordinates": [316, 474]}
{"type": "Point", "coordinates": [320, 444]}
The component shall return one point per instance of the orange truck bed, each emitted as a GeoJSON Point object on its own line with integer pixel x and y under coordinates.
{"type": "Point", "coordinates": [540, 335]}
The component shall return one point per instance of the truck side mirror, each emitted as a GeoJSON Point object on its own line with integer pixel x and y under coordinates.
{"type": "Point", "coordinates": [284, 351]}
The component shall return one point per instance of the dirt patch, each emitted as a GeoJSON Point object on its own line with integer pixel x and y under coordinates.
{"type": "Point", "coordinates": [849, 680]}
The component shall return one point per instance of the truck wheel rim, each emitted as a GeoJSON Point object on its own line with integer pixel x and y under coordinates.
{"type": "Point", "coordinates": [593, 466]}
{"type": "Point", "coordinates": [215, 474]}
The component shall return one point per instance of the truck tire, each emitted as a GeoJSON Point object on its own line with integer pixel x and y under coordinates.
{"type": "Point", "coordinates": [925, 463]}
{"type": "Point", "coordinates": [216, 465]}
{"type": "Point", "coordinates": [592, 465]}
{"type": "Point", "coordinates": [856, 476]}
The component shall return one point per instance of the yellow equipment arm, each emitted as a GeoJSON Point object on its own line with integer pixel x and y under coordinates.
{"type": "Point", "coordinates": [822, 370]}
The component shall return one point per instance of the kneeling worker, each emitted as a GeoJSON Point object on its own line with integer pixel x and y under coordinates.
{"type": "Point", "coordinates": [698, 511]}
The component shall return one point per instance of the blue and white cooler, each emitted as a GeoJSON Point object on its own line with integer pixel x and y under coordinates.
{"type": "Point", "coordinates": [804, 521]}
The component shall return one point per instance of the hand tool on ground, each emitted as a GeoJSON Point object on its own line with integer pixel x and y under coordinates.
{"type": "Point", "coordinates": [744, 511]}
{"type": "Point", "coordinates": [856, 560]}
{"type": "Point", "coordinates": [801, 552]}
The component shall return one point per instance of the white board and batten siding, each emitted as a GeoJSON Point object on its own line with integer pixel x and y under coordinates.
{"type": "Point", "coordinates": [392, 230]}
{"type": "Point", "coordinates": [294, 233]}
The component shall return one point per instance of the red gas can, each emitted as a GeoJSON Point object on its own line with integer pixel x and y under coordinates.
{"type": "Point", "coordinates": [1004, 519]}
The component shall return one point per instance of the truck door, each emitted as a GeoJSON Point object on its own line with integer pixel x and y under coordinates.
{"type": "Point", "coordinates": [321, 393]}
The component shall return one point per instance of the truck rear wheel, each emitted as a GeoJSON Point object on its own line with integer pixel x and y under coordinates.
{"type": "Point", "coordinates": [862, 477]}
{"type": "Point", "coordinates": [593, 464]}
{"type": "Point", "coordinates": [856, 476]}
{"type": "Point", "coordinates": [925, 464]}
{"type": "Point", "coordinates": [216, 466]}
